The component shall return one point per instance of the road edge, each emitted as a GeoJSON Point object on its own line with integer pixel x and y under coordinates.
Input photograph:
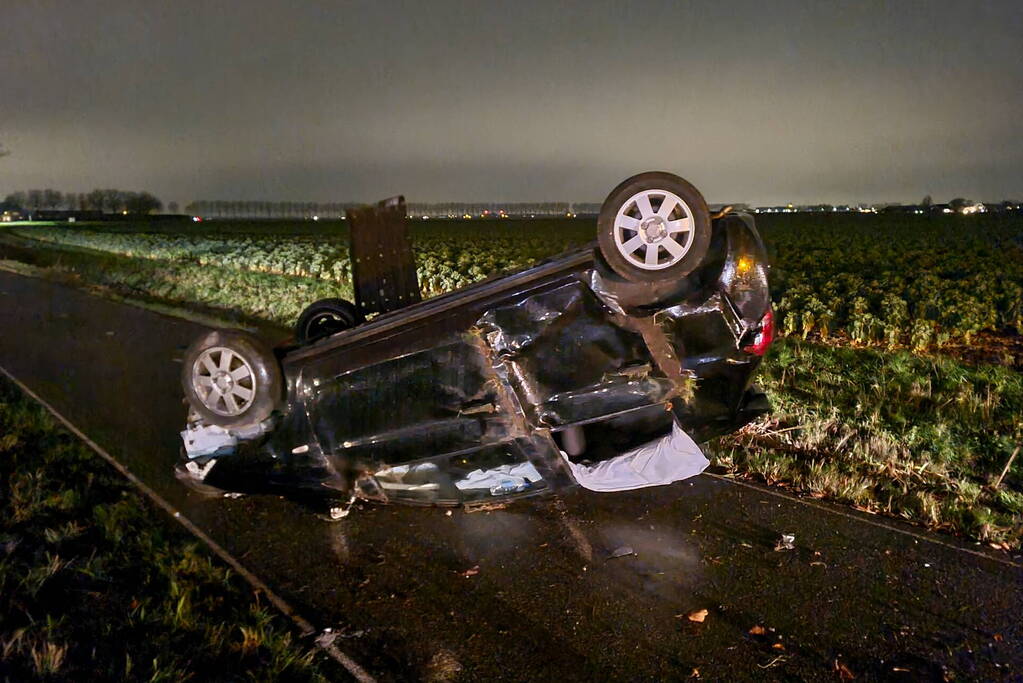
{"type": "Point", "coordinates": [880, 522]}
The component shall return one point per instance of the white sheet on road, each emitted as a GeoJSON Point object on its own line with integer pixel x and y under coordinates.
{"type": "Point", "coordinates": [673, 457]}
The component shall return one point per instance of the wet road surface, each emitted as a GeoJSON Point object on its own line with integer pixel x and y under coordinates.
{"type": "Point", "coordinates": [532, 591]}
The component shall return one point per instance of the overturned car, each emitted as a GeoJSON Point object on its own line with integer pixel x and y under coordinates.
{"type": "Point", "coordinates": [602, 367]}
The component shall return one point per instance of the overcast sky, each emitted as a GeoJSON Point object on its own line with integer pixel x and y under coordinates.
{"type": "Point", "coordinates": [766, 102]}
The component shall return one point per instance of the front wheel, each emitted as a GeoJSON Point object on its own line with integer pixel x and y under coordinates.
{"type": "Point", "coordinates": [231, 378]}
{"type": "Point", "coordinates": [653, 227]}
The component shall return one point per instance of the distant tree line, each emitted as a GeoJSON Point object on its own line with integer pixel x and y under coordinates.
{"type": "Point", "coordinates": [217, 208]}
{"type": "Point", "coordinates": [107, 201]}
{"type": "Point", "coordinates": [220, 208]}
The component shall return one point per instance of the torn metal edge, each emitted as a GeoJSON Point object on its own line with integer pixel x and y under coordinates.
{"type": "Point", "coordinates": [305, 626]}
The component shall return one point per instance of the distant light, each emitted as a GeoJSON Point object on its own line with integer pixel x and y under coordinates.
{"type": "Point", "coordinates": [316, 218]}
{"type": "Point", "coordinates": [744, 266]}
{"type": "Point", "coordinates": [196, 219]}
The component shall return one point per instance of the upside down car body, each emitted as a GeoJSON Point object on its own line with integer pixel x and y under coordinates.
{"type": "Point", "coordinates": [602, 367]}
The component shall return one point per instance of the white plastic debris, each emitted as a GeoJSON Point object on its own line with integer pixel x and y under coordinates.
{"type": "Point", "coordinates": [202, 439]}
{"type": "Point", "coordinates": [339, 512]}
{"type": "Point", "coordinates": [501, 480]}
{"type": "Point", "coordinates": [198, 471]}
{"type": "Point", "coordinates": [786, 542]}
{"type": "Point", "coordinates": [673, 457]}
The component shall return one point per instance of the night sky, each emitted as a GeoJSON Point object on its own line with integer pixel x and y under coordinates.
{"type": "Point", "coordinates": [764, 102]}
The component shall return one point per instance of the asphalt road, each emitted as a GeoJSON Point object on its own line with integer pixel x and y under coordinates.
{"type": "Point", "coordinates": [532, 591]}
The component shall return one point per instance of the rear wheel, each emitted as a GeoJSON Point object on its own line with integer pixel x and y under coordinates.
{"type": "Point", "coordinates": [324, 318]}
{"type": "Point", "coordinates": [654, 226]}
{"type": "Point", "coordinates": [231, 378]}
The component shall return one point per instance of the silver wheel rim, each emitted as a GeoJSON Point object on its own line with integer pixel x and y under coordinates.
{"type": "Point", "coordinates": [652, 239]}
{"type": "Point", "coordinates": [224, 381]}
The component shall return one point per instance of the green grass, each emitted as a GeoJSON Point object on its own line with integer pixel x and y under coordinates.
{"type": "Point", "coordinates": [245, 297]}
{"type": "Point", "coordinates": [97, 584]}
{"type": "Point", "coordinates": [920, 437]}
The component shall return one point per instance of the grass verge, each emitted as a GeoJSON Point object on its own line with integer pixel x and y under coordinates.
{"type": "Point", "coordinates": [924, 438]}
{"type": "Point", "coordinates": [240, 297]}
{"type": "Point", "coordinates": [94, 584]}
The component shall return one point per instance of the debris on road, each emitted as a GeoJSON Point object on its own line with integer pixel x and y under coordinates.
{"type": "Point", "coordinates": [339, 512]}
{"type": "Point", "coordinates": [774, 662]}
{"type": "Point", "coordinates": [699, 616]}
{"type": "Point", "coordinates": [623, 551]}
{"type": "Point", "coordinates": [470, 572]}
{"type": "Point", "coordinates": [786, 542]}
{"type": "Point", "coordinates": [843, 671]}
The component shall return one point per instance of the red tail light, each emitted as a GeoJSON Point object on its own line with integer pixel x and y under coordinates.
{"type": "Point", "coordinates": [764, 337]}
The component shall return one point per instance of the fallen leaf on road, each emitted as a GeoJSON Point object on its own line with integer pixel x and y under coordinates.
{"type": "Point", "coordinates": [757, 630]}
{"type": "Point", "coordinates": [774, 662]}
{"type": "Point", "coordinates": [843, 671]}
{"type": "Point", "coordinates": [695, 674]}
{"type": "Point", "coordinates": [778, 646]}
{"type": "Point", "coordinates": [698, 616]}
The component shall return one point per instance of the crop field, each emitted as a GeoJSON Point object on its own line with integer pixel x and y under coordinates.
{"type": "Point", "coordinates": [896, 383]}
{"type": "Point", "coordinates": [450, 254]}
{"type": "Point", "coordinates": [902, 281]}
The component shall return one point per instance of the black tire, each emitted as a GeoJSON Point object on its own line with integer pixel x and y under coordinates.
{"type": "Point", "coordinates": [255, 385]}
{"type": "Point", "coordinates": [668, 261]}
{"type": "Point", "coordinates": [324, 318]}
